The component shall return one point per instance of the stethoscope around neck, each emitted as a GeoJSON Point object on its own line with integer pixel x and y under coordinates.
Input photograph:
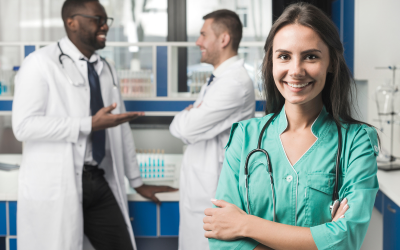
{"type": "Point", "coordinates": [83, 79]}
{"type": "Point", "coordinates": [335, 196]}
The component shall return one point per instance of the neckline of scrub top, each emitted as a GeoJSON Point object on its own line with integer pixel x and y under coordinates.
{"type": "Point", "coordinates": [318, 128]}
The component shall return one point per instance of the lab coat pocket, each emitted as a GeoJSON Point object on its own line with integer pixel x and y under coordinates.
{"type": "Point", "coordinates": [319, 198]}
{"type": "Point", "coordinates": [42, 178]}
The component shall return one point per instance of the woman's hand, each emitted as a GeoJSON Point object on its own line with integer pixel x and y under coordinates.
{"type": "Point", "coordinates": [341, 210]}
{"type": "Point", "coordinates": [224, 223]}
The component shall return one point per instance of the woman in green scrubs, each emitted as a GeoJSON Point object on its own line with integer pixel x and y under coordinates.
{"type": "Point", "coordinates": [308, 85]}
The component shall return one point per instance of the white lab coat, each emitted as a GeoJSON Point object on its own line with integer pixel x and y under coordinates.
{"type": "Point", "coordinates": [205, 128]}
{"type": "Point", "coordinates": [48, 116]}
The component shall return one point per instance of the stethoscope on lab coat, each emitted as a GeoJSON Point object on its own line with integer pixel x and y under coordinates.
{"type": "Point", "coordinates": [83, 79]}
{"type": "Point", "coordinates": [335, 197]}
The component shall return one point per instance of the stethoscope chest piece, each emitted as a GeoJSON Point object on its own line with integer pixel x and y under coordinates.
{"type": "Point", "coordinates": [334, 207]}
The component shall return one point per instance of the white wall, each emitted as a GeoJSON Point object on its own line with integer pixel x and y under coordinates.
{"type": "Point", "coordinates": [377, 43]}
{"type": "Point", "coordinates": [157, 139]}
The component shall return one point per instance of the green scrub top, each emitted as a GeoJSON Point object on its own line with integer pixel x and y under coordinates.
{"type": "Point", "coordinates": [304, 189]}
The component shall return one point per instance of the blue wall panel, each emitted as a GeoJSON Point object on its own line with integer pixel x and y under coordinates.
{"type": "Point", "coordinates": [144, 214]}
{"type": "Point", "coordinates": [336, 13]}
{"type": "Point", "coordinates": [162, 71]}
{"type": "Point", "coordinates": [169, 218]}
{"type": "Point", "coordinates": [29, 49]}
{"type": "Point", "coordinates": [343, 17]}
{"type": "Point", "coordinates": [12, 210]}
{"type": "Point", "coordinates": [348, 33]}
{"type": "Point", "coordinates": [13, 244]}
{"type": "Point", "coordinates": [260, 106]}
{"type": "Point", "coordinates": [3, 218]}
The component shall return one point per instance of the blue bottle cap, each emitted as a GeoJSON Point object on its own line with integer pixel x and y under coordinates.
{"type": "Point", "coordinates": [15, 68]}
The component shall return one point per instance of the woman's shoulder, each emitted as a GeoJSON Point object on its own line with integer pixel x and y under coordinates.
{"type": "Point", "coordinates": [247, 128]}
{"type": "Point", "coordinates": [358, 129]}
{"type": "Point", "coordinates": [359, 132]}
{"type": "Point", "coordinates": [252, 122]}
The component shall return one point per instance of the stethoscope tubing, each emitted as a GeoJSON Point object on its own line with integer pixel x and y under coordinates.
{"type": "Point", "coordinates": [335, 195]}
{"type": "Point", "coordinates": [101, 58]}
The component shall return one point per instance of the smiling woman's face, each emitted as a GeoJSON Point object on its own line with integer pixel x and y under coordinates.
{"type": "Point", "coordinates": [300, 64]}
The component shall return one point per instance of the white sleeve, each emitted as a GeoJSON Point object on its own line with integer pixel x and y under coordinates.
{"type": "Point", "coordinates": [216, 114]}
{"type": "Point", "coordinates": [29, 109]}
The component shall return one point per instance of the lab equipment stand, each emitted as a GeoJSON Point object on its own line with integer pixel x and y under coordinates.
{"type": "Point", "coordinates": [388, 109]}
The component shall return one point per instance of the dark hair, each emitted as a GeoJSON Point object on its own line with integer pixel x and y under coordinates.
{"type": "Point", "coordinates": [70, 6]}
{"type": "Point", "coordinates": [337, 94]}
{"type": "Point", "coordinates": [230, 21]}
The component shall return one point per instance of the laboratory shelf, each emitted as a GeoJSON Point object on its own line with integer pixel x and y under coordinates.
{"type": "Point", "coordinates": [5, 105]}
{"type": "Point", "coordinates": [150, 105]}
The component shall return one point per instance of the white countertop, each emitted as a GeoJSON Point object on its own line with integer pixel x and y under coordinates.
{"type": "Point", "coordinates": [9, 180]}
{"type": "Point", "coordinates": [389, 183]}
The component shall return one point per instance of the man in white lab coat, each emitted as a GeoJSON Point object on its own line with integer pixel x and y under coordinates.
{"type": "Point", "coordinates": [78, 145]}
{"type": "Point", "coordinates": [228, 97]}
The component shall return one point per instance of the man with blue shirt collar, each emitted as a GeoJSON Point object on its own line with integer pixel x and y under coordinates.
{"type": "Point", "coordinates": [227, 97]}
{"type": "Point", "coordinates": [78, 145]}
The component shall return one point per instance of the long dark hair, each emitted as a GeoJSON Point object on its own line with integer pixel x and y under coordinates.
{"type": "Point", "coordinates": [337, 94]}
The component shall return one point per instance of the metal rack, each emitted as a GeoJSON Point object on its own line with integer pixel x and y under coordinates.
{"type": "Point", "coordinates": [391, 164]}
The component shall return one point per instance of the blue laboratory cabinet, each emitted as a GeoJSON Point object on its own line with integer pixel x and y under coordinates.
{"type": "Point", "coordinates": [143, 217]}
{"type": "Point", "coordinates": [391, 221]}
{"type": "Point", "coordinates": [169, 219]}
{"type": "Point", "coordinates": [391, 224]}
{"type": "Point", "coordinates": [13, 244]}
{"type": "Point", "coordinates": [151, 220]}
{"type": "Point", "coordinates": [152, 224]}
{"type": "Point", "coordinates": [3, 218]}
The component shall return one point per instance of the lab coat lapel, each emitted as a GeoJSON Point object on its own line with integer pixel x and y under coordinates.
{"type": "Point", "coordinates": [81, 93]}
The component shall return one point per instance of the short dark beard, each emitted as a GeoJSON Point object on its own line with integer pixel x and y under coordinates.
{"type": "Point", "coordinates": [90, 40]}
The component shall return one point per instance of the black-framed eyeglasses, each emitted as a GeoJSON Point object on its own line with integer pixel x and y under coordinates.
{"type": "Point", "coordinates": [100, 20]}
